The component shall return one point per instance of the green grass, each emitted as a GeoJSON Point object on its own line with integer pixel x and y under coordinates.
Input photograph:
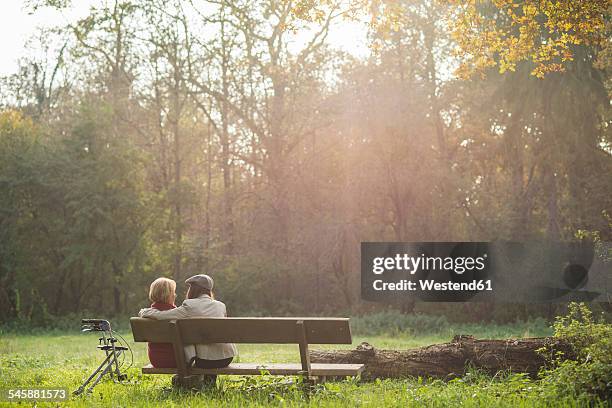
{"type": "Point", "coordinates": [52, 360]}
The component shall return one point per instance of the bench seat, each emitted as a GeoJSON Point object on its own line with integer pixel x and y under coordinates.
{"type": "Point", "coordinates": [322, 370]}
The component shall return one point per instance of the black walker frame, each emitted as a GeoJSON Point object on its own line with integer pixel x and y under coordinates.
{"type": "Point", "coordinates": [110, 364]}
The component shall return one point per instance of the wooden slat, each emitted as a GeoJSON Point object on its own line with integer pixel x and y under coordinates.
{"type": "Point", "coordinates": [243, 330]}
{"type": "Point", "coordinates": [155, 331]}
{"type": "Point", "coordinates": [317, 369]}
{"type": "Point", "coordinates": [264, 330]}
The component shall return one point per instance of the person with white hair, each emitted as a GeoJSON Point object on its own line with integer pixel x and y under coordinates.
{"type": "Point", "coordinates": [162, 294]}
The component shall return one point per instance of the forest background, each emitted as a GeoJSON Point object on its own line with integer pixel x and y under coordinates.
{"type": "Point", "coordinates": [174, 137]}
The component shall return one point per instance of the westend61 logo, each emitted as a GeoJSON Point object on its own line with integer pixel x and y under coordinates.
{"type": "Point", "coordinates": [484, 271]}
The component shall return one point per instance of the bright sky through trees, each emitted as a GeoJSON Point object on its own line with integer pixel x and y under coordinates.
{"type": "Point", "coordinates": [17, 25]}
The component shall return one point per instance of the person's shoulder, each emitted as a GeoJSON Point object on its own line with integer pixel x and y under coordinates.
{"type": "Point", "coordinates": [203, 301]}
{"type": "Point", "coordinates": [190, 302]}
{"type": "Point", "coordinates": [218, 303]}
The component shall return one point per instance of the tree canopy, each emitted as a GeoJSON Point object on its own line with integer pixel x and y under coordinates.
{"type": "Point", "coordinates": [171, 137]}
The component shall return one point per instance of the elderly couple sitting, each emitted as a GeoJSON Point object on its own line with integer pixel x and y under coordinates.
{"type": "Point", "coordinates": [200, 302]}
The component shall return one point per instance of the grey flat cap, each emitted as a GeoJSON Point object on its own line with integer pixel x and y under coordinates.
{"type": "Point", "coordinates": [203, 281]}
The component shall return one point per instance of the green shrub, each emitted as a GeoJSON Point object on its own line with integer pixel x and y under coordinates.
{"type": "Point", "coordinates": [590, 373]}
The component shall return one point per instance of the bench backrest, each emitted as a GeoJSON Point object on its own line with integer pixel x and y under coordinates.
{"type": "Point", "coordinates": [274, 330]}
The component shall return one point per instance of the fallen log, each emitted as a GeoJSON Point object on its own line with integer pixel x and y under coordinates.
{"type": "Point", "coordinates": [449, 360]}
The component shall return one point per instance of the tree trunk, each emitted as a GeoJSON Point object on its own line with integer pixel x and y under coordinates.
{"type": "Point", "coordinates": [226, 170]}
{"type": "Point", "coordinates": [448, 360]}
{"type": "Point", "coordinates": [177, 194]}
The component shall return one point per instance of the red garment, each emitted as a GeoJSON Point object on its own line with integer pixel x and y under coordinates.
{"type": "Point", "coordinates": [161, 355]}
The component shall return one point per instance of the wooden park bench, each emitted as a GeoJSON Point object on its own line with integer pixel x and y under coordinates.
{"type": "Point", "coordinates": [267, 330]}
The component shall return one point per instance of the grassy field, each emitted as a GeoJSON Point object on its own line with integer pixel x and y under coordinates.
{"type": "Point", "coordinates": [54, 360]}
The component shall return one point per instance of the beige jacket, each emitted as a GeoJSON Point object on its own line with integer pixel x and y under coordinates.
{"type": "Point", "coordinates": [202, 306]}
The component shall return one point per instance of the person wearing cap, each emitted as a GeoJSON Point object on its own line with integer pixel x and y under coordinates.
{"type": "Point", "coordinates": [200, 302]}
